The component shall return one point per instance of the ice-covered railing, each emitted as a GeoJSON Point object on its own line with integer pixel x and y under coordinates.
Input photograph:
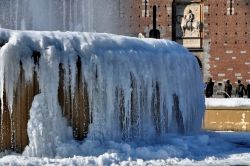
{"type": "Point", "coordinates": [108, 87]}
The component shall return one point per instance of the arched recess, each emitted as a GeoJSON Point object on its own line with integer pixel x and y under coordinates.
{"type": "Point", "coordinates": [187, 23]}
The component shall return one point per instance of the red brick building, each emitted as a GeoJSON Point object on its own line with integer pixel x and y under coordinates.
{"type": "Point", "coordinates": [216, 31]}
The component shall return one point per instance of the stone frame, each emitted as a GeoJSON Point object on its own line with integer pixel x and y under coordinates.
{"type": "Point", "coordinates": [192, 40]}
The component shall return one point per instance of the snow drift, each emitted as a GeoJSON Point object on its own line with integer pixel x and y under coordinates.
{"type": "Point", "coordinates": [106, 87]}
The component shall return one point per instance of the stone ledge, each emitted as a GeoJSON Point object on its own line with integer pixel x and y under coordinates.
{"type": "Point", "coordinates": [228, 108]}
{"type": "Point", "coordinates": [227, 119]}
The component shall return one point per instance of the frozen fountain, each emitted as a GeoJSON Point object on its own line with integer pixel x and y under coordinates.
{"type": "Point", "coordinates": [69, 85]}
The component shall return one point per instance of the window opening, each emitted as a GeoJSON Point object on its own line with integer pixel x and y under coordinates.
{"type": "Point", "coordinates": [146, 7]}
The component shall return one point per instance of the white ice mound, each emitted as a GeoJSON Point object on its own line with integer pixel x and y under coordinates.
{"type": "Point", "coordinates": [136, 89]}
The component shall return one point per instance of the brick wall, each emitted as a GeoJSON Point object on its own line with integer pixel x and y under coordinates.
{"type": "Point", "coordinates": [226, 38]}
{"type": "Point", "coordinates": [229, 35]}
{"type": "Point", "coordinates": [142, 22]}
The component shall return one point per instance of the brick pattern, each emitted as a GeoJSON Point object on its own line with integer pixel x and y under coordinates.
{"type": "Point", "coordinates": [138, 23]}
{"type": "Point", "coordinates": [230, 39]}
{"type": "Point", "coordinates": [226, 27]}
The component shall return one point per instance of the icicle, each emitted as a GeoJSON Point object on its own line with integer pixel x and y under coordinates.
{"type": "Point", "coordinates": [108, 87]}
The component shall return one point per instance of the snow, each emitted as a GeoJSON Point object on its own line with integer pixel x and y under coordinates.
{"type": "Point", "coordinates": [206, 148]}
{"type": "Point", "coordinates": [227, 102]}
{"type": "Point", "coordinates": [113, 58]}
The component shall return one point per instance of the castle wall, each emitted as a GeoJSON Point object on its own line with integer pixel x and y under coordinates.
{"type": "Point", "coordinates": [227, 33]}
{"type": "Point", "coordinates": [224, 36]}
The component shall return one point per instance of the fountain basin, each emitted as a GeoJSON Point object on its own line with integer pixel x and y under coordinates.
{"type": "Point", "coordinates": [56, 86]}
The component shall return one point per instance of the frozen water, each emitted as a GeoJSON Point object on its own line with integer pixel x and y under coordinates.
{"type": "Point", "coordinates": [73, 15]}
{"type": "Point", "coordinates": [139, 90]}
{"type": "Point", "coordinates": [203, 149]}
{"type": "Point", "coordinates": [113, 58]}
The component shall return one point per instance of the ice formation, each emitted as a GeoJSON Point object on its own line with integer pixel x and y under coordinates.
{"type": "Point", "coordinates": [74, 15]}
{"type": "Point", "coordinates": [108, 87]}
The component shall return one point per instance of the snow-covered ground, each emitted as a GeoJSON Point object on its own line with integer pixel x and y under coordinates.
{"type": "Point", "coordinates": [207, 148]}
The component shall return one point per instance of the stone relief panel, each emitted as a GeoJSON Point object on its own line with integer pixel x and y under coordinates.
{"type": "Point", "coordinates": [188, 20]}
{"type": "Point", "coordinates": [188, 24]}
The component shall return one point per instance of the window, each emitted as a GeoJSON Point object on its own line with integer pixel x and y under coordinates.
{"type": "Point", "coordinates": [121, 9]}
{"type": "Point", "coordinates": [230, 8]}
{"type": "Point", "coordinates": [145, 12]}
